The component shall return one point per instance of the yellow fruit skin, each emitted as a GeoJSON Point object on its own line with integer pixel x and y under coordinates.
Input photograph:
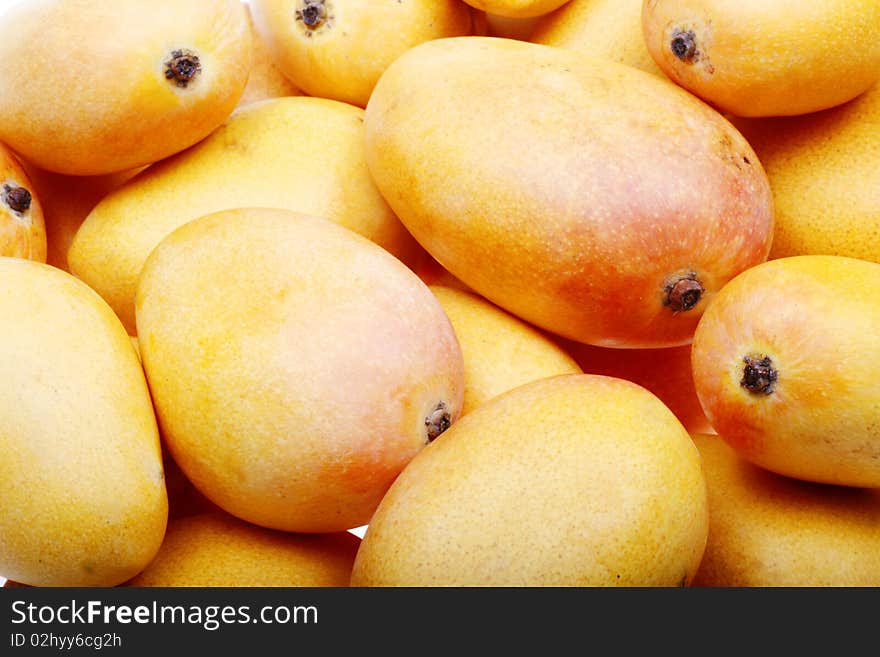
{"type": "Point", "coordinates": [575, 211]}
{"type": "Point", "coordinates": [119, 110]}
{"type": "Point", "coordinates": [824, 170]}
{"type": "Point", "coordinates": [609, 29]}
{"type": "Point", "coordinates": [22, 230]}
{"type": "Point", "coordinates": [303, 154]}
{"type": "Point", "coordinates": [216, 549]}
{"type": "Point", "coordinates": [753, 58]}
{"type": "Point", "coordinates": [84, 500]}
{"type": "Point", "coordinates": [266, 80]}
{"type": "Point", "coordinates": [516, 8]}
{"type": "Point", "coordinates": [343, 56]}
{"type": "Point", "coordinates": [574, 480]}
{"type": "Point", "coordinates": [768, 530]}
{"type": "Point", "coordinates": [292, 365]}
{"type": "Point", "coordinates": [500, 351]}
{"type": "Point", "coordinates": [816, 318]}
{"type": "Point", "coordinates": [67, 201]}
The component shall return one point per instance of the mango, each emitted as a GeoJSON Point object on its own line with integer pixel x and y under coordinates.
{"type": "Point", "coordinates": [299, 153]}
{"type": "Point", "coordinates": [786, 365]}
{"type": "Point", "coordinates": [609, 29]}
{"type": "Point", "coordinates": [81, 478]}
{"type": "Point", "coordinates": [572, 480]}
{"type": "Point", "coordinates": [295, 366]}
{"type": "Point", "coordinates": [766, 59]}
{"type": "Point", "coordinates": [500, 352]}
{"type": "Point", "coordinates": [516, 8]}
{"type": "Point", "coordinates": [608, 208]}
{"type": "Point", "coordinates": [338, 48]}
{"type": "Point", "coordinates": [138, 83]}
{"type": "Point", "coordinates": [22, 225]}
{"type": "Point", "coordinates": [265, 80]}
{"type": "Point", "coordinates": [215, 549]}
{"type": "Point", "coordinates": [665, 372]}
{"type": "Point", "coordinates": [824, 170]}
{"type": "Point", "coordinates": [768, 530]}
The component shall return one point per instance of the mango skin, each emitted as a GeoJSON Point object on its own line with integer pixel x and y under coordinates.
{"type": "Point", "coordinates": [752, 58]}
{"type": "Point", "coordinates": [119, 111]}
{"type": "Point", "coordinates": [574, 480]}
{"type": "Point", "coordinates": [293, 364]}
{"type": "Point", "coordinates": [66, 202]}
{"type": "Point", "coordinates": [609, 29]}
{"type": "Point", "coordinates": [216, 549]}
{"type": "Point", "coordinates": [767, 530]}
{"type": "Point", "coordinates": [299, 153]}
{"type": "Point", "coordinates": [343, 57]}
{"type": "Point", "coordinates": [824, 170]}
{"type": "Point", "coordinates": [576, 211]}
{"type": "Point", "coordinates": [500, 351]}
{"type": "Point", "coordinates": [816, 319]}
{"type": "Point", "coordinates": [81, 478]}
{"type": "Point", "coordinates": [22, 231]}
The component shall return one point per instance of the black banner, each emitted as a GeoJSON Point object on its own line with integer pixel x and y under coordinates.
{"type": "Point", "coordinates": [132, 621]}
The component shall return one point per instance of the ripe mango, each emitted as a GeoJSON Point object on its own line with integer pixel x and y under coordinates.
{"type": "Point", "coordinates": [786, 364]}
{"type": "Point", "coordinates": [300, 153]}
{"type": "Point", "coordinates": [81, 478]}
{"type": "Point", "coordinates": [609, 29]}
{"type": "Point", "coordinates": [824, 170]}
{"type": "Point", "coordinates": [769, 530]}
{"type": "Point", "coordinates": [338, 48]}
{"type": "Point", "coordinates": [22, 225]}
{"type": "Point", "coordinates": [500, 351]}
{"type": "Point", "coordinates": [573, 480]}
{"type": "Point", "coordinates": [216, 549]}
{"type": "Point", "coordinates": [766, 59]}
{"type": "Point", "coordinates": [608, 208]}
{"type": "Point", "coordinates": [295, 366]}
{"type": "Point", "coordinates": [86, 91]}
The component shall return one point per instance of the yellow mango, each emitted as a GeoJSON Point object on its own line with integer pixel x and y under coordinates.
{"type": "Point", "coordinates": [608, 208]}
{"type": "Point", "coordinates": [755, 58]}
{"type": "Point", "coordinates": [768, 530]}
{"type": "Point", "coordinates": [295, 366]}
{"type": "Point", "coordinates": [573, 480]}
{"type": "Point", "coordinates": [81, 478]}
{"type": "Point", "coordinates": [338, 48]}
{"type": "Point", "coordinates": [786, 364]}
{"type": "Point", "coordinates": [89, 88]}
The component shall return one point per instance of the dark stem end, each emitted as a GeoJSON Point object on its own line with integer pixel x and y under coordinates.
{"type": "Point", "coordinates": [182, 67]}
{"type": "Point", "coordinates": [684, 293]}
{"type": "Point", "coordinates": [438, 421]}
{"type": "Point", "coordinates": [17, 198]}
{"type": "Point", "coordinates": [684, 45]}
{"type": "Point", "coordinates": [759, 375]}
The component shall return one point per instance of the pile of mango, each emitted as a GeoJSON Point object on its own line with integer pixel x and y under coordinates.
{"type": "Point", "coordinates": [440, 293]}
